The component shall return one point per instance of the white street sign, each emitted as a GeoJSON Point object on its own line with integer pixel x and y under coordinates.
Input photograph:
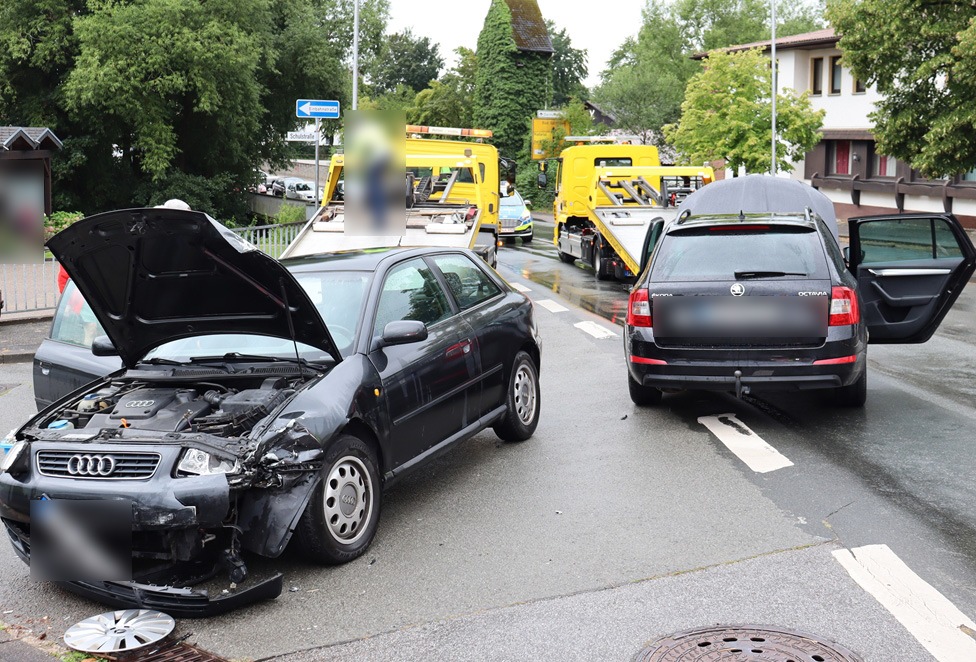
{"type": "Point", "coordinates": [301, 136]}
{"type": "Point", "coordinates": [548, 114]}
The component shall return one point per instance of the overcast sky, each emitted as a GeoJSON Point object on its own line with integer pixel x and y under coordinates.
{"type": "Point", "coordinates": [597, 27]}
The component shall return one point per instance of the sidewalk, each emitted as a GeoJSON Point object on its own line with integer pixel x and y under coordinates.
{"type": "Point", "coordinates": [20, 336]}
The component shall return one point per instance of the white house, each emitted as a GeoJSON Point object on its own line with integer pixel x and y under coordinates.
{"type": "Point", "coordinates": [845, 165]}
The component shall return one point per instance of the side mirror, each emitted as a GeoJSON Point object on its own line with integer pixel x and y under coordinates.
{"type": "Point", "coordinates": [102, 346]}
{"type": "Point", "coordinates": [404, 332]}
{"type": "Point", "coordinates": [527, 203]}
{"type": "Point", "coordinates": [542, 180]}
{"type": "Point", "coordinates": [847, 254]}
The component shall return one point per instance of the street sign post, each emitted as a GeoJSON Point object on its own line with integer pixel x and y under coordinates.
{"type": "Point", "coordinates": [317, 108]}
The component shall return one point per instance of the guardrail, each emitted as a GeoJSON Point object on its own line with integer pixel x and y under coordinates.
{"type": "Point", "coordinates": [33, 287]}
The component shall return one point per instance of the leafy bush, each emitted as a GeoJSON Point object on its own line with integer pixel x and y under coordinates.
{"type": "Point", "coordinates": [290, 214]}
{"type": "Point", "coordinates": [59, 220]}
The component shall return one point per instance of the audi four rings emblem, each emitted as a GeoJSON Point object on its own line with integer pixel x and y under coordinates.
{"type": "Point", "coordinates": [91, 465]}
{"type": "Point", "coordinates": [737, 289]}
{"type": "Point", "coordinates": [139, 404]}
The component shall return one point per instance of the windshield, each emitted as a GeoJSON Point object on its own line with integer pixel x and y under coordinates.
{"type": "Point", "coordinates": [338, 297]}
{"type": "Point", "coordinates": [712, 253]}
{"type": "Point", "coordinates": [302, 186]}
{"type": "Point", "coordinates": [514, 200]}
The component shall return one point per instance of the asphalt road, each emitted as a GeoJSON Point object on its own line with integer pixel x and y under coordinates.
{"type": "Point", "coordinates": [616, 525]}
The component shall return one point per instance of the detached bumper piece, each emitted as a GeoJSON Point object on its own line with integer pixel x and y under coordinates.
{"type": "Point", "coordinates": [182, 602]}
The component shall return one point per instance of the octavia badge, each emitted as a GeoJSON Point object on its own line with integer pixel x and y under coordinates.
{"type": "Point", "coordinates": [738, 289]}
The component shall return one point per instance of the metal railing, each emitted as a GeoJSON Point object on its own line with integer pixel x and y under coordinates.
{"type": "Point", "coordinates": [33, 287]}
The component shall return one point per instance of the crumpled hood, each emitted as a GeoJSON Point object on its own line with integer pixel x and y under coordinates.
{"type": "Point", "coordinates": [156, 275]}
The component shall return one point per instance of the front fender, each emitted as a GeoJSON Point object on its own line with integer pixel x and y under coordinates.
{"type": "Point", "coordinates": [286, 465]}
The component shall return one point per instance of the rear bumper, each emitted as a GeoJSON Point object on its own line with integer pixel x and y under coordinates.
{"type": "Point", "coordinates": [759, 370]}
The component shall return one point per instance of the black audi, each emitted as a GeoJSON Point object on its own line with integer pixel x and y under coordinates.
{"type": "Point", "coordinates": [259, 404]}
{"type": "Point", "coordinates": [749, 289]}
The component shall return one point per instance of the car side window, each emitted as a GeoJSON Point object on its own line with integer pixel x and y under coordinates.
{"type": "Point", "coordinates": [411, 292]}
{"type": "Point", "coordinates": [469, 284]}
{"type": "Point", "coordinates": [899, 239]}
{"type": "Point", "coordinates": [74, 321]}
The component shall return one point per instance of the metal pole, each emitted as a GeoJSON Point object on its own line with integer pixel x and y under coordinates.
{"type": "Point", "coordinates": [772, 4]}
{"type": "Point", "coordinates": [355, 55]}
{"type": "Point", "coordinates": [318, 139]}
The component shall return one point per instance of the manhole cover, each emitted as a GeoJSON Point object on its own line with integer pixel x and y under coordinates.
{"type": "Point", "coordinates": [118, 631]}
{"type": "Point", "coordinates": [744, 642]}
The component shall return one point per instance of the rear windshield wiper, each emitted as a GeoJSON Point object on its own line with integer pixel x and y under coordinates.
{"type": "Point", "coordinates": [766, 274]}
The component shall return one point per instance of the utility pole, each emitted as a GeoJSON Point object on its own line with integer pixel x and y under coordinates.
{"type": "Point", "coordinates": [355, 55]}
{"type": "Point", "coordinates": [772, 4]}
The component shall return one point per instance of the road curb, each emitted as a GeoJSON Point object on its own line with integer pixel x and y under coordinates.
{"type": "Point", "coordinates": [16, 357]}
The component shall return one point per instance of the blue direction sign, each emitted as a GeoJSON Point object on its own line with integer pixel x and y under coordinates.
{"type": "Point", "coordinates": [317, 108]}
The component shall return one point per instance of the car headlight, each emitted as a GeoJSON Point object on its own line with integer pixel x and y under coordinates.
{"type": "Point", "coordinates": [15, 461]}
{"type": "Point", "coordinates": [201, 463]}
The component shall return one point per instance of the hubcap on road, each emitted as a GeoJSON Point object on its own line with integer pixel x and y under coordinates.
{"type": "Point", "coordinates": [524, 394]}
{"type": "Point", "coordinates": [348, 499]}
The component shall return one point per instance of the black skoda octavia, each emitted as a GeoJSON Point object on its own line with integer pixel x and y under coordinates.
{"type": "Point", "coordinates": [258, 403]}
{"type": "Point", "coordinates": [748, 289]}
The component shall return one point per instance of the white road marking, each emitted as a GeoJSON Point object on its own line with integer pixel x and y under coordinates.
{"type": "Point", "coordinates": [552, 306]}
{"type": "Point", "coordinates": [520, 287]}
{"type": "Point", "coordinates": [927, 614]}
{"type": "Point", "coordinates": [746, 444]}
{"type": "Point", "coordinates": [596, 330]}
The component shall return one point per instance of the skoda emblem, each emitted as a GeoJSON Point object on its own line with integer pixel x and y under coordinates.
{"type": "Point", "coordinates": [737, 289]}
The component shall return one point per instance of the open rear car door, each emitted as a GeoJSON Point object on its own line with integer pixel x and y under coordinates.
{"type": "Point", "coordinates": [910, 268]}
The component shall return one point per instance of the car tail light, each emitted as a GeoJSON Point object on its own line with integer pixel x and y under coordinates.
{"type": "Point", "coordinates": [638, 308]}
{"type": "Point", "coordinates": [843, 307]}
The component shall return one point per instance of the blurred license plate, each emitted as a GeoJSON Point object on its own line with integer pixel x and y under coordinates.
{"type": "Point", "coordinates": [719, 316]}
{"type": "Point", "coordinates": [81, 540]}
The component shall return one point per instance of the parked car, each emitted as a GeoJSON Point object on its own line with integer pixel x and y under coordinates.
{"type": "Point", "coordinates": [515, 219]}
{"type": "Point", "coordinates": [281, 185]}
{"type": "Point", "coordinates": [765, 300]}
{"type": "Point", "coordinates": [303, 190]}
{"type": "Point", "coordinates": [257, 400]}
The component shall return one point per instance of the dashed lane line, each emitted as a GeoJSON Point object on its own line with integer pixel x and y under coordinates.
{"type": "Point", "coordinates": [552, 306]}
{"type": "Point", "coordinates": [927, 614]}
{"type": "Point", "coordinates": [520, 287]}
{"type": "Point", "coordinates": [746, 444]}
{"type": "Point", "coordinates": [596, 330]}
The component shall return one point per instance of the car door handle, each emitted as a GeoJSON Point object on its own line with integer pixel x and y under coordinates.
{"type": "Point", "coordinates": [909, 272]}
{"type": "Point", "coordinates": [458, 349]}
{"type": "Point", "coordinates": [45, 371]}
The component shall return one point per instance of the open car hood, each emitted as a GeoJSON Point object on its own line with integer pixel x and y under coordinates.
{"type": "Point", "coordinates": [156, 275]}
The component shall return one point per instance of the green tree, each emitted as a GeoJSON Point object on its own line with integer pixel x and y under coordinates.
{"type": "Point", "coordinates": [510, 84]}
{"type": "Point", "coordinates": [921, 56]}
{"type": "Point", "coordinates": [568, 67]}
{"type": "Point", "coordinates": [644, 83]}
{"type": "Point", "coordinates": [155, 96]}
{"type": "Point", "coordinates": [405, 59]}
{"type": "Point", "coordinates": [726, 115]}
{"type": "Point", "coordinates": [447, 102]}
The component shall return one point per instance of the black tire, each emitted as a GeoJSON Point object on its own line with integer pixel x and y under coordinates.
{"type": "Point", "coordinates": [854, 395]}
{"type": "Point", "coordinates": [522, 401]}
{"type": "Point", "coordinates": [340, 532]}
{"type": "Point", "coordinates": [527, 239]}
{"type": "Point", "coordinates": [566, 257]}
{"type": "Point", "coordinates": [598, 268]}
{"type": "Point", "coordinates": [643, 396]}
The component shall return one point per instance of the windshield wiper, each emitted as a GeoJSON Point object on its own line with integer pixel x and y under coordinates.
{"type": "Point", "coordinates": [160, 361]}
{"type": "Point", "coordinates": [766, 274]}
{"type": "Point", "coordinates": [254, 358]}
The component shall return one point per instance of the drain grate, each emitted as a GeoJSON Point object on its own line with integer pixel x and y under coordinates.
{"type": "Point", "coordinates": [175, 651]}
{"type": "Point", "coordinates": [744, 642]}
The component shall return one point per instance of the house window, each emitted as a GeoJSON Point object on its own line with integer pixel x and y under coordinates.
{"type": "Point", "coordinates": [882, 166]}
{"type": "Point", "coordinates": [859, 87]}
{"type": "Point", "coordinates": [969, 176]}
{"type": "Point", "coordinates": [839, 157]}
{"type": "Point", "coordinates": [816, 76]}
{"type": "Point", "coordinates": [835, 74]}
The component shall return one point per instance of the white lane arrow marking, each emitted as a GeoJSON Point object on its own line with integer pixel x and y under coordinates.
{"type": "Point", "coordinates": [746, 444]}
{"type": "Point", "coordinates": [927, 614]}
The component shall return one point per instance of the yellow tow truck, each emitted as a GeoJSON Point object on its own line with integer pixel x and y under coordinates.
{"type": "Point", "coordinates": [609, 193]}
